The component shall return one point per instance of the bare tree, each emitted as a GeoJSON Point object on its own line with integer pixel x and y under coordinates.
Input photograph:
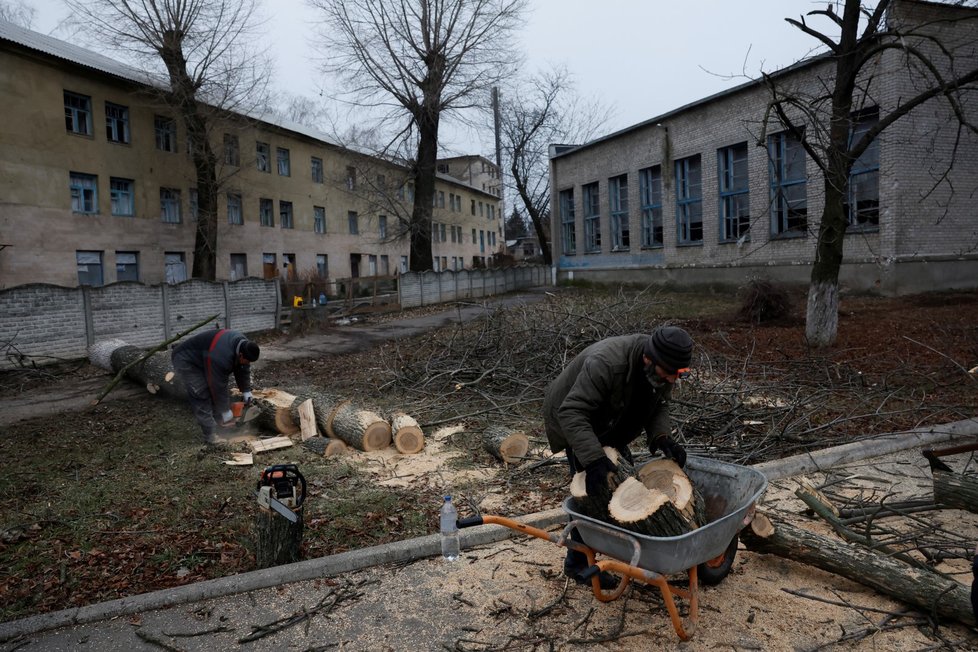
{"type": "Point", "coordinates": [535, 113]}
{"type": "Point", "coordinates": [199, 50]}
{"type": "Point", "coordinates": [428, 58]}
{"type": "Point", "coordinates": [17, 12]}
{"type": "Point", "coordinates": [826, 123]}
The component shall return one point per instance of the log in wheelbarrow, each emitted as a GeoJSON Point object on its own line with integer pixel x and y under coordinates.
{"type": "Point", "coordinates": [730, 491]}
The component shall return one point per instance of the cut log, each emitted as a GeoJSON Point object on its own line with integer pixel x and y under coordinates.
{"type": "Point", "coordinates": [955, 490]}
{"type": "Point", "coordinates": [275, 408]}
{"type": "Point", "coordinates": [407, 433]}
{"type": "Point", "coordinates": [325, 446]}
{"type": "Point", "coordinates": [338, 418]}
{"type": "Point", "coordinates": [506, 445]}
{"type": "Point", "coordinates": [932, 593]}
{"type": "Point", "coordinates": [597, 506]}
{"type": "Point", "coordinates": [154, 372]}
{"type": "Point", "coordinates": [277, 540]}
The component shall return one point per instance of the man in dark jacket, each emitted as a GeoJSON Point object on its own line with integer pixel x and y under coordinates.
{"type": "Point", "coordinates": [606, 396]}
{"type": "Point", "coordinates": [205, 362]}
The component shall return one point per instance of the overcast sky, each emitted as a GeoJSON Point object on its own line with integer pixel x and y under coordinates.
{"type": "Point", "coordinates": [641, 57]}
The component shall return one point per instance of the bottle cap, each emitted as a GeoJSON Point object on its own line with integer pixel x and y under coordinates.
{"type": "Point", "coordinates": [447, 498]}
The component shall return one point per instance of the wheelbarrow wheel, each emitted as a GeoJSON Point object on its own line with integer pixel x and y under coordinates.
{"type": "Point", "coordinates": [713, 571]}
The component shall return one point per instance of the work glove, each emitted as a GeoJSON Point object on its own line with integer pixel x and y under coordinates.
{"type": "Point", "coordinates": [599, 474]}
{"type": "Point", "coordinates": [248, 398]}
{"type": "Point", "coordinates": [670, 449]}
{"type": "Point", "coordinates": [227, 419]}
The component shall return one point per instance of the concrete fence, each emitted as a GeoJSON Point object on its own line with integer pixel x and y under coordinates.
{"type": "Point", "coordinates": [42, 323]}
{"type": "Point", "coordinates": [426, 288]}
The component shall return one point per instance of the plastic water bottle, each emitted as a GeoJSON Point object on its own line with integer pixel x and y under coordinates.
{"type": "Point", "coordinates": [449, 530]}
{"type": "Point", "coordinates": [322, 298]}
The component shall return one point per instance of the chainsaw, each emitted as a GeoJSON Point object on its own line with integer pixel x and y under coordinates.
{"type": "Point", "coordinates": [282, 488]}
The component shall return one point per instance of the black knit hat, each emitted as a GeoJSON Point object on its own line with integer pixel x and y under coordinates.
{"type": "Point", "coordinates": [249, 350]}
{"type": "Point", "coordinates": [670, 347]}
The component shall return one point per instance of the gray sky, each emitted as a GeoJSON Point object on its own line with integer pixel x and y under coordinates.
{"type": "Point", "coordinates": [641, 57]}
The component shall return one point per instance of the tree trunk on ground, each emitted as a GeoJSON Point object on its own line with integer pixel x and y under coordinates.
{"type": "Point", "coordinates": [955, 490]}
{"type": "Point", "coordinates": [325, 446]}
{"type": "Point", "coordinates": [408, 436]}
{"type": "Point", "coordinates": [506, 445]}
{"type": "Point", "coordinates": [155, 373]}
{"type": "Point", "coordinates": [277, 540]}
{"type": "Point", "coordinates": [946, 598]}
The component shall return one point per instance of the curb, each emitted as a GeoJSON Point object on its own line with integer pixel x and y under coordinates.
{"type": "Point", "coordinates": [430, 545]}
{"type": "Point", "coordinates": [399, 551]}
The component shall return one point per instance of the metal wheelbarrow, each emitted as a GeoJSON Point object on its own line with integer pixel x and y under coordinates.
{"type": "Point", "coordinates": [730, 491]}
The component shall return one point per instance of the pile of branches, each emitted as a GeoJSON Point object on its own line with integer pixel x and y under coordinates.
{"type": "Point", "coordinates": [496, 371]}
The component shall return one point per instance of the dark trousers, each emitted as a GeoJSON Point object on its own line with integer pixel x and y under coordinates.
{"type": "Point", "coordinates": [575, 559]}
{"type": "Point", "coordinates": [198, 395]}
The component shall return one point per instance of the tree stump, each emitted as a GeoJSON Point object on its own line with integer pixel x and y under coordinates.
{"type": "Point", "coordinates": [277, 540]}
{"type": "Point", "coordinates": [506, 445]}
{"type": "Point", "coordinates": [407, 433]}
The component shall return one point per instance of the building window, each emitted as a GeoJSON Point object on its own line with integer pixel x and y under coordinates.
{"type": "Point", "coordinates": [734, 192]}
{"type": "Point", "coordinates": [319, 219]}
{"type": "Point", "coordinates": [863, 199]}
{"type": "Point", "coordinates": [444, 238]}
{"type": "Point", "coordinates": [568, 235]}
{"type": "Point", "coordinates": [265, 216]}
{"type": "Point", "coordinates": [170, 205]}
{"type": "Point", "coordinates": [262, 153]}
{"type": "Point", "coordinates": [689, 200]}
{"type": "Point", "coordinates": [382, 227]}
{"type": "Point", "coordinates": [385, 265]}
{"type": "Point", "coordinates": [473, 236]}
{"type": "Point", "coordinates": [288, 264]}
{"type": "Point", "coordinates": [322, 265]}
{"type": "Point", "coordinates": [174, 267]}
{"type": "Point", "coordinates": [351, 178]}
{"type": "Point", "coordinates": [285, 214]}
{"type": "Point", "coordinates": [618, 203]}
{"type": "Point", "coordinates": [234, 209]}
{"type": "Point", "coordinates": [404, 264]}
{"type": "Point", "coordinates": [371, 265]}
{"type": "Point", "coordinates": [232, 152]}
{"type": "Point", "coordinates": [482, 209]}
{"type": "Point", "coordinates": [127, 266]}
{"type": "Point", "coordinates": [78, 113]}
{"type": "Point", "coordinates": [441, 199]}
{"type": "Point", "coordinates": [120, 190]}
{"type": "Point", "coordinates": [84, 192]}
{"type": "Point", "coordinates": [116, 123]}
{"type": "Point", "coordinates": [473, 207]}
{"type": "Point", "coordinates": [284, 166]}
{"type": "Point", "coordinates": [166, 133]}
{"type": "Point", "coordinates": [650, 192]}
{"type": "Point", "coordinates": [193, 203]}
{"type": "Point", "coordinates": [317, 170]}
{"type": "Point", "coordinates": [592, 218]}
{"type": "Point", "coordinates": [482, 242]}
{"type": "Point", "coordinates": [89, 268]}
{"type": "Point", "coordinates": [789, 188]}
{"type": "Point", "coordinates": [353, 222]}
{"type": "Point", "coordinates": [239, 266]}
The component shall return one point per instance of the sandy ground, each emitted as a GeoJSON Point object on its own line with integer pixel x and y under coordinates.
{"type": "Point", "coordinates": [511, 596]}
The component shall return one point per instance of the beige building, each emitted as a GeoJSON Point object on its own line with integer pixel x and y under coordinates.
{"type": "Point", "coordinates": [97, 186]}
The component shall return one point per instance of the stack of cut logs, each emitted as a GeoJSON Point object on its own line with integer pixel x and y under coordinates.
{"type": "Point", "coordinates": [659, 500]}
{"type": "Point", "coordinates": [307, 412]}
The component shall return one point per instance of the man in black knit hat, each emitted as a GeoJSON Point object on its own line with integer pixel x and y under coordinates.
{"type": "Point", "coordinates": [204, 363]}
{"type": "Point", "coordinates": [606, 396]}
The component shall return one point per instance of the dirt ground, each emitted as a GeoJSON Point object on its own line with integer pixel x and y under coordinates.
{"type": "Point", "coordinates": [122, 499]}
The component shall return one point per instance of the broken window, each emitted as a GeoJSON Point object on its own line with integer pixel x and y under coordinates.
{"type": "Point", "coordinates": [127, 266]}
{"type": "Point", "coordinates": [166, 133]}
{"type": "Point", "coordinates": [689, 200]}
{"type": "Point", "coordinates": [116, 123]}
{"type": "Point", "coordinates": [78, 113]}
{"type": "Point", "coordinates": [84, 192]}
{"type": "Point", "coordinates": [234, 209]}
{"type": "Point", "coordinates": [89, 265]}
{"type": "Point", "coordinates": [262, 153]}
{"type": "Point", "coordinates": [284, 164]}
{"type": "Point", "coordinates": [285, 214]}
{"type": "Point", "coordinates": [121, 193]}
{"type": "Point", "coordinates": [170, 205]}
{"type": "Point", "coordinates": [734, 193]}
{"type": "Point", "coordinates": [789, 187]}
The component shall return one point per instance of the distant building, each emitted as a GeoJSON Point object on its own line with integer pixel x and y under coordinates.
{"type": "Point", "coordinates": [524, 248]}
{"type": "Point", "coordinates": [97, 186]}
{"type": "Point", "coordinates": [699, 195]}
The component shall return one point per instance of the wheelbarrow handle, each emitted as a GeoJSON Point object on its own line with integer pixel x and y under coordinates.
{"type": "Point", "coordinates": [469, 521]}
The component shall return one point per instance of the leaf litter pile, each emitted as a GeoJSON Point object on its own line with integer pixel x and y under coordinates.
{"type": "Point", "coordinates": [121, 499]}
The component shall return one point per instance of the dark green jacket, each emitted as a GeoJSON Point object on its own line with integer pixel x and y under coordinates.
{"type": "Point", "coordinates": [602, 398]}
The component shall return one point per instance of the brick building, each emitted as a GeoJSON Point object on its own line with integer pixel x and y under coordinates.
{"type": "Point", "coordinates": [710, 194]}
{"type": "Point", "coordinates": [97, 186]}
